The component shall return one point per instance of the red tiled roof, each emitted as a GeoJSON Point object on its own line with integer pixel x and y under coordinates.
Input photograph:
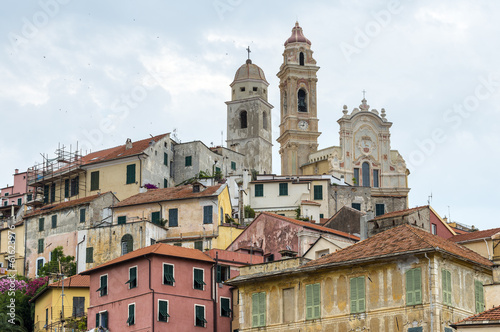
{"type": "Point", "coordinates": [474, 235]}
{"type": "Point", "coordinates": [399, 240]}
{"type": "Point", "coordinates": [120, 151]}
{"type": "Point", "coordinates": [313, 226]}
{"type": "Point", "coordinates": [400, 213]}
{"type": "Point", "coordinates": [74, 281]}
{"type": "Point", "coordinates": [485, 317]}
{"type": "Point", "coordinates": [169, 194]}
{"type": "Point", "coordinates": [63, 205]}
{"type": "Point", "coordinates": [156, 249]}
{"type": "Point", "coordinates": [306, 202]}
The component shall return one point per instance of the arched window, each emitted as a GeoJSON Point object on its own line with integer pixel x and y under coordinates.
{"type": "Point", "coordinates": [264, 120]}
{"type": "Point", "coordinates": [127, 244]}
{"type": "Point", "coordinates": [366, 174]}
{"type": "Point", "coordinates": [243, 119]}
{"type": "Point", "coordinates": [301, 59]}
{"type": "Point", "coordinates": [301, 102]}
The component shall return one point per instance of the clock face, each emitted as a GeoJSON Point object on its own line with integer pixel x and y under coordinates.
{"type": "Point", "coordinates": [303, 125]}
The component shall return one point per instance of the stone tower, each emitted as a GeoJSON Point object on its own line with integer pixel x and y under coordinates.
{"type": "Point", "coordinates": [298, 113]}
{"type": "Point", "coordinates": [249, 129]}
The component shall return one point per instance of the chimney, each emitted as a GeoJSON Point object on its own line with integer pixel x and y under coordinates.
{"type": "Point", "coordinates": [128, 144]}
{"type": "Point", "coordinates": [17, 170]}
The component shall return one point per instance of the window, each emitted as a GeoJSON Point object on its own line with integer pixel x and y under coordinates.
{"type": "Point", "coordinates": [357, 295]}
{"type": "Point", "coordinates": [198, 279]}
{"type": "Point", "coordinates": [82, 215]}
{"type": "Point", "coordinates": [89, 255]}
{"type": "Point", "coordinates": [132, 277]}
{"type": "Point", "coordinates": [45, 194]}
{"type": "Point", "coordinates": [448, 329]}
{"type": "Point", "coordinates": [40, 246]}
{"type": "Point", "coordinates": [103, 285]}
{"type": "Point", "coordinates": [223, 273]}
{"type": "Point", "coordinates": [165, 183]}
{"type": "Point", "coordinates": [46, 318]}
{"type": "Point", "coordinates": [283, 189]}
{"type": "Point", "coordinates": [413, 287]}
{"type": "Point", "coordinates": [155, 217]}
{"type": "Point", "coordinates": [130, 174]}
{"type": "Point", "coordinates": [75, 184]}
{"type": "Point", "coordinates": [54, 221]}
{"type": "Point", "coordinates": [313, 298]}
{"type": "Point", "coordinates": [301, 58]}
{"type": "Point", "coordinates": [39, 263]}
{"type": "Point", "coordinates": [78, 306]}
{"type": "Point", "coordinates": [101, 319]}
{"type": "Point", "coordinates": [188, 161]}
{"type": "Point", "coordinates": [168, 274]}
{"type": "Point", "coordinates": [94, 180]}
{"type": "Point", "coordinates": [165, 159]}
{"type": "Point", "coordinates": [318, 192]}
{"type": "Point", "coordinates": [259, 190]}
{"type": "Point", "coordinates": [434, 229]}
{"type": "Point", "coordinates": [19, 201]}
{"type": "Point", "coordinates": [365, 169]}
{"type": "Point", "coordinates": [221, 215]}
{"type": "Point", "coordinates": [242, 89]}
{"type": "Point", "coordinates": [446, 284]}
{"type": "Point", "coordinates": [415, 329]}
{"type": "Point", "coordinates": [225, 307]}
{"type": "Point", "coordinates": [127, 244]}
{"type": "Point", "coordinates": [254, 88]}
{"type": "Point", "coordinates": [356, 206]}
{"type": "Point", "coordinates": [29, 198]}
{"type": "Point", "coordinates": [243, 119]}
{"type": "Point", "coordinates": [66, 188]}
{"type": "Point", "coordinates": [321, 216]}
{"type": "Point", "coordinates": [199, 319]}
{"type": "Point", "coordinates": [288, 305]}
{"type": "Point", "coordinates": [207, 214]}
{"type": "Point", "coordinates": [379, 209]}
{"type": "Point", "coordinates": [122, 220]}
{"type": "Point", "coordinates": [301, 100]}
{"type": "Point", "coordinates": [479, 296]}
{"type": "Point", "coordinates": [152, 241]}
{"type": "Point", "coordinates": [196, 188]}
{"type": "Point", "coordinates": [198, 245]}
{"type": "Point", "coordinates": [258, 309]}
{"type": "Point", "coordinates": [172, 218]}
{"type": "Point", "coordinates": [356, 177]}
{"type": "Point", "coordinates": [53, 192]}
{"type": "Point", "coordinates": [131, 314]}
{"type": "Point", "coordinates": [233, 165]}
{"type": "Point", "coordinates": [375, 178]}
{"type": "Point", "coordinates": [163, 311]}
{"type": "Point", "coordinates": [41, 223]}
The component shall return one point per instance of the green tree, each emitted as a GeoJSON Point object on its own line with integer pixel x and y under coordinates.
{"type": "Point", "coordinates": [17, 317]}
{"type": "Point", "coordinates": [249, 212]}
{"type": "Point", "coordinates": [59, 260]}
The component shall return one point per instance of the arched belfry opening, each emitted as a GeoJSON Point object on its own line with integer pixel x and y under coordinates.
{"type": "Point", "coordinates": [243, 119]}
{"type": "Point", "coordinates": [301, 58]}
{"type": "Point", "coordinates": [301, 100]}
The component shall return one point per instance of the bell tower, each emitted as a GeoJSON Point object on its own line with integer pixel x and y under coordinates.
{"type": "Point", "coordinates": [249, 129]}
{"type": "Point", "coordinates": [298, 113]}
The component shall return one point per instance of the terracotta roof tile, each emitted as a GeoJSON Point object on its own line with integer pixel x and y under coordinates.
{"type": "Point", "coordinates": [474, 235]}
{"type": "Point", "coordinates": [313, 226]}
{"type": "Point", "coordinates": [398, 240]}
{"type": "Point", "coordinates": [63, 205]}
{"type": "Point", "coordinates": [169, 194]}
{"type": "Point", "coordinates": [162, 249]}
{"type": "Point", "coordinates": [490, 315]}
{"type": "Point", "coordinates": [74, 281]}
{"type": "Point", "coordinates": [400, 213]}
{"type": "Point", "coordinates": [120, 151]}
{"type": "Point", "coordinates": [306, 202]}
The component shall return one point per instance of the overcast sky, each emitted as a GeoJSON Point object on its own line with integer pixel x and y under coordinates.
{"type": "Point", "coordinates": [98, 72]}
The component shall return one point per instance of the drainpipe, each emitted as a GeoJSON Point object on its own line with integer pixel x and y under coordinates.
{"type": "Point", "coordinates": [487, 248]}
{"type": "Point", "coordinates": [214, 292]}
{"type": "Point", "coordinates": [153, 296]}
{"type": "Point", "coordinates": [77, 251]}
{"type": "Point", "coordinates": [25, 245]}
{"type": "Point", "coordinates": [140, 171]}
{"type": "Point", "coordinates": [430, 293]}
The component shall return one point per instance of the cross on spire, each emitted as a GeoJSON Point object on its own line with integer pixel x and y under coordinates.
{"type": "Point", "coordinates": [364, 93]}
{"type": "Point", "coordinates": [248, 50]}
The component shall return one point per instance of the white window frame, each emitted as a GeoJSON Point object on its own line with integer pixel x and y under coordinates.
{"type": "Point", "coordinates": [36, 266]}
{"type": "Point", "coordinates": [173, 273]}
{"type": "Point", "coordinates": [204, 311]}
{"type": "Point", "coordinates": [158, 310]}
{"type": "Point", "coordinates": [128, 310]}
{"type": "Point", "coordinates": [433, 229]}
{"type": "Point", "coordinates": [199, 268]}
{"type": "Point", "coordinates": [136, 276]}
{"type": "Point", "coordinates": [220, 306]}
{"type": "Point", "coordinates": [107, 284]}
{"type": "Point", "coordinates": [100, 318]}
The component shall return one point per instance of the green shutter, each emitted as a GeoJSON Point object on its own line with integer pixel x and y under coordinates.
{"type": "Point", "coordinates": [409, 288]}
{"type": "Point", "coordinates": [46, 194]}
{"type": "Point", "coordinates": [198, 245]}
{"type": "Point", "coordinates": [283, 189]}
{"type": "Point", "coordinates": [354, 295]}
{"type": "Point", "coordinates": [317, 300]}
{"type": "Point", "coordinates": [54, 221]}
{"type": "Point", "coordinates": [131, 318]}
{"type": "Point", "coordinates": [313, 299]}
{"type": "Point", "coordinates": [479, 296]}
{"type": "Point", "coordinates": [97, 316]}
{"type": "Point", "coordinates": [168, 274]}
{"type": "Point", "coordinates": [40, 246]}
{"type": "Point", "coordinates": [94, 180]}
{"type": "Point", "coordinates": [309, 301]}
{"type": "Point", "coordinates": [218, 274]}
{"type": "Point", "coordinates": [233, 165]}
{"type": "Point", "coordinates": [163, 311]}
{"type": "Point", "coordinates": [132, 278]}
{"type": "Point", "coordinates": [255, 309]}
{"type": "Point", "coordinates": [165, 159]}
{"type": "Point", "coordinates": [165, 183]}
{"type": "Point", "coordinates": [417, 286]}
{"type": "Point", "coordinates": [104, 319]}
{"type": "Point", "coordinates": [82, 215]}
{"type": "Point", "coordinates": [318, 192]}
{"type": "Point", "coordinates": [122, 220]}
{"type": "Point", "coordinates": [155, 217]}
{"type": "Point", "coordinates": [446, 283]}
{"type": "Point", "coordinates": [200, 316]}
{"type": "Point", "coordinates": [225, 307]}
{"type": "Point", "coordinates": [41, 224]}
{"type": "Point", "coordinates": [361, 293]}
{"type": "Point", "coordinates": [198, 279]}
{"type": "Point", "coordinates": [262, 309]}
{"type": "Point", "coordinates": [413, 286]}
{"type": "Point", "coordinates": [172, 218]}
{"type": "Point", "coordinates": [130, 174]}
{"type": "Point", "coordinates": [207, 214]}
{"type": "Point", "coordinates": [89, 257]}
{"type": "Point", "coordinates": [259, 190]}
{"type": "Point", "coordinates": [188, 161]}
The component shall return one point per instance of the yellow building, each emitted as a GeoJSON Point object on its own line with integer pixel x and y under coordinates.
{"type": "Point", "coordinates": [194, 215]}
{"type": "Point", "coordinates": [404, 279]}
{"type": "Point", "coordinates": [51, 313]}
{"type": "Point", "coordinates": [12, 248]}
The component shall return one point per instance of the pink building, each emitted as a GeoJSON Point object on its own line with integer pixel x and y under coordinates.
{"type": "Point", "coordinates": [12, 197]}
{"type": "Point", "coordinates": [161, 287]}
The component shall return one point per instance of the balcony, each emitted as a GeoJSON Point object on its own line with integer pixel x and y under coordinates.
{"type": "Point", "coordinates": [72, 317]}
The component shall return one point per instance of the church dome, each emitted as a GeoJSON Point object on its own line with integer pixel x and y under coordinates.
{"type": "Point", "coordinates": [249, 71]}
{"type": "Point", "coordinates": [297, 36]}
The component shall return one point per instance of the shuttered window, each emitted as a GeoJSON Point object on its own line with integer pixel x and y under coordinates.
{"type": "Point", "coordinates": [101, 319]}
{"type": "Point", "coordinates": [41, 223]}
{"type": "Point", "coordinates": [313, 300]}
{"type": "Point", "coordinates": [131, 314]}
{"type": "Point", "coordinates": [358, 300]}
{"type": "Point", "coordinates": [355, 179]}
{"type": "Point", "coordinates": [415, 329]}
{"type": "Point", "coordinates": [188, 161]}
{"type": "Point", "coordinates": [168, 274]}
{"type": "Point", "coordinates": [155, 217]}
{"type": "Point", "coordinates": [259, 190]}
{"type": "Point", "coordinates": [165, 159]}
{"type": "Point", "coordinates": [225, 307]}
{"type": "Point", "coordinates": [103, 287]}
{"type": "Point", "coordinates": [207, 214]}
{"type": "Point", "coordinates": [356, 206]}
{"type": "Point", "coordinates": [130, 174]}
{"type": "Point", "coordinates": [379, 209]}
{"type": "Point", "coordinates": [163, 311]}
{"type": "Point", "coordinates": [200, 316]}
{"type": "Point", "coordinates": [233, 165]}
{"type": "Point", "coordinates": [446, 283]}
{"type": "Point", "coordinates": [198, 282]}
{"type": "Point", "coordinates": [82, 215]}
{"type": "Point", "coordinates": [132, 277]}
{"type": "Point", "coordinates": [89, 257]}
{"type": "Point", "coordinates": [172, 218]}
{"type": "Point", "coordinates": [40, 246]}
{"type": "Point", "coordinates": [198, 245]}
{"type": "Point", "coordinates": [94, 180]}
{"type": "Point", "coordinates": [479, 296]}
{"type": "Point", "coordinates": [283, 189]}
{"type": "Point", "coordinates": [66, 188]}
{"type": "Point", "coordinates": [46, 194]}
{"type": "Point", "coordinates": [122, 220]}
{"type": "Point", "coordinates": [258, 309]}
{"type": "Point", "coordinates": [413, 287]}
{"type": "Point", "coordinates": [54, 221]}
{"type": "Point", "coordinates": [165, 183]}
{"type": "Point", "coordinates": [318, 192]}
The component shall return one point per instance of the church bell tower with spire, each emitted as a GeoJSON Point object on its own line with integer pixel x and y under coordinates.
{"type": "Point", "coordinates": [298, 113]}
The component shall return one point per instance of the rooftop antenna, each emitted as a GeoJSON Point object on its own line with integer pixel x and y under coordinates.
{"type": "Point", "coordinates": [429, 199]}
{"type": "Point", "coordinates": [449, 213]}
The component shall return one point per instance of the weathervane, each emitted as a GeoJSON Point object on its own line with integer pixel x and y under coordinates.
{"type": "Point", "coordinates": [248, 50]}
